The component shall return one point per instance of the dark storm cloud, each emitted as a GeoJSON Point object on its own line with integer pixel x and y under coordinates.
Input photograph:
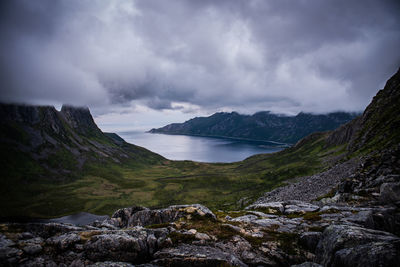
{"type": "Point", "coordinates": [245, 55]}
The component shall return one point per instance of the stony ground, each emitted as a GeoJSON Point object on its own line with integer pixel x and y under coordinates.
{"type": "Point", "coordinates": [309, 188]}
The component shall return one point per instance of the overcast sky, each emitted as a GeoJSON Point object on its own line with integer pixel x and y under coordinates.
{"type": "Point", "coordinates": [146, 63]}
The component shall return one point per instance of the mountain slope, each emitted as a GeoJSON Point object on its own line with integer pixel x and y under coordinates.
{"type": "Point", "coordinates": [42, 149]}
{"type": "Point", "coordinates": [356, 224]}
{"type": "Point", "coordinates": [50, 169]}
{"type": "Point", "coordinates": [379, 126]}
{"type": "Point", "coordinates": [260, 126]}
{"type": "Point", "coordinates": [61, 142]}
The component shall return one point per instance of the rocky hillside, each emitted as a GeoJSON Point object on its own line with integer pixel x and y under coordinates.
{"type": "Point", "coordinates": [282, 233]}
{"type": "Point", "coordinates": [355, 223]}
{"type": "Point", "coordinates": [260, 126]}
{"type": "Point", "coordinates": [60, 142]}
{"type": "Point", "coordinates": [42, 148]}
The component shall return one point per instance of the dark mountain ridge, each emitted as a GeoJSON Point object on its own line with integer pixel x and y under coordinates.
{"type": "Point", "coordinates": [58, 144]}
{"type": "Point", "coordinates": [263, 125]}
{"type": "Point", "coordinates": [345, 214]}
{"type": "Point", "coordinates": [379, 125]}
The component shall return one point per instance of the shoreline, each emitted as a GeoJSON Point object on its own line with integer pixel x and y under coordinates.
{"type": "Point", "coordinates": [278, 144]}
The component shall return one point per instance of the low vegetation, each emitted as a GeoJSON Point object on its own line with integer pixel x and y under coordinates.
{"type": "Point", "coordinates": [103, 188]}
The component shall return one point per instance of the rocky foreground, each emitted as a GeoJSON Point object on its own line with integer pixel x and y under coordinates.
{"type": "Point", "coordinates": [357, 225]}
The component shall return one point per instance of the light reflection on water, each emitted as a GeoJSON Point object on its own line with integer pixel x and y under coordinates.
{"type": "Point", "coordinates": [203, 149]}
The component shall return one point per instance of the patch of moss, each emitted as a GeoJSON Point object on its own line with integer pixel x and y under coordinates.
{"type": "Point", "coordinates": [233, 214]}
{"type": "Point", "coordinates": [214, 228]}
{"type": "Point", "coordinates": [255, 242]}
{"type": "Point", "coordinates": [316, 229]}
{"type": "Point", "coordinates": [330, 211]}
{"type": "Point", "coordinates": [312, 216]}
{"type": "Point", "coordinates": [287, 241]}
{"type": "Point", "coordinates": [330, 194]}
{"type": "Point", "coordinates": [295, 215]}
{"type": "Point", "coordinates": [87, 235]}
{"type": "Point", "coordinates": [155, 226]}
{"type": "Point", "coordinates": [178, 238]}
{"type": "Point", "coordinates": [269, 210]}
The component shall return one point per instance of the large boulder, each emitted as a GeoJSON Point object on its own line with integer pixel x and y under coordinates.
{"type": "Point", "coordinates": [268, 207]}
{"type": "Point", "coordinates": [345, 245]}
{"type": "Point", "coordinates": [135, 245]}
{"type": "Point", "coordinates": [370, 254]}
{"type": "Point", "coordinates": [8, 253]}
{"type": "Point", "coordinates": [390, 193]}
{"type": "Point", "coordinates": [191, 255]}
{"type": "Point", "coordinates": [139, 216]}
{"type": "Point", "coordinates": [294, 206]}
{"type": "Point", "coordinates": [307, 264]}
{"type": "Point", "coordinates": [65, 241]}
{"type": "Point", "coordinates": [309, 240]}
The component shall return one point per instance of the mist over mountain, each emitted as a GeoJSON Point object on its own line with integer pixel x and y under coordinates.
{"type": "Point", "coordinates": [332, 199]}
{"type": "Point", "coordinates": [263, 125]}
{"type": "Point", "coordinates": [308, 190]}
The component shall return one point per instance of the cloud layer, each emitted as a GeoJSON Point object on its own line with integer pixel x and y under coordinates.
{"type": "Point", "coordinates": [246, 55]}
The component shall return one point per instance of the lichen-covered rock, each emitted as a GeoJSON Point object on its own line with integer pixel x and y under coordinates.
{"type": "Point", "coordinates": [64, 241]}
{"type": "Point", "coordinates": [310, 240]}
{"type": "Point", "coordinates": [268, 207]}
{"type": "Point", "coordinates": [139, 216]}
{"type": "Point", "coordinates": [390, 193]}
{"type": "Point", "coordinates": [46, 230]}
{"type": "Point", "coordinates": [268, 223]}
{"type": "Point", "coordinates": [385, 254]}
{"type": "Point", "coordinates": [136, 245]}
{"type": "Point", "coordinates": [32, 249]}
{"type": "Point", "coordinates": [284, 207]}
{"type": "Point", "coordinates": [245, 251]}
{"type": "Point", "coordinates": [8, 253]}
{"type": "Point", "coordinates": [202, 236]}
{"type": "Point", "coordinates": [191, 255]}
{"type": "Point", "coordinates": [339, 240]}
{"type": "Point", "coordinates": [307, 264]}
{"type": "Point", "coordinates": [114, 264]}
{"type": "Point", "coordinates": [117, 247]}
{"type": "Point", "coordinates": [291, 235]}
{"type": "Point", "coordinates": [281, 224]}
{"type": "Point", "coordinates": [299, 207]}
{"type": "Point", "coordinates": [387, 219]}
{"type": "Point", "coordinates": [39, 261]}
{"type": "Point", "coordinates": [122, 217]}
{"type": "Point", "coordinates": [245, 218]}
{"type": "Point", "coordinates": [363, 218]}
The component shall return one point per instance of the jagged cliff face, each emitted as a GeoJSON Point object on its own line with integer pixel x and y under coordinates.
{"type": "Point", "coordinates": [380, 122]}
{"type": "Point", "coordinates": [378, 127]}
{"type": "Point", "coordinates": [80, 120]}
{"type": "Point", "coordinates": [59, 142]}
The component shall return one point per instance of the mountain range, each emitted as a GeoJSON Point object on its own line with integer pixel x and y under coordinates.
{"type": "Point", "coordinates": [263, 126]}
{"type": "Point", "coordinates": [332, 199]}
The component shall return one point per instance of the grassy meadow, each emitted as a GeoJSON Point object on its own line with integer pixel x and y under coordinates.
{"type": "Point", "coordinates": [103, 188]}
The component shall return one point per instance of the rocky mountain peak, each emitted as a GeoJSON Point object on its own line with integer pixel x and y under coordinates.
{"type": "Point", "coordinates": [80, 119]}
{"type": "Point", "coordinates": [379, 119]}
{"type": "Point", "coordinates": [24, 113]}
{"type": "Point", "coordinates": [378, 127]}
